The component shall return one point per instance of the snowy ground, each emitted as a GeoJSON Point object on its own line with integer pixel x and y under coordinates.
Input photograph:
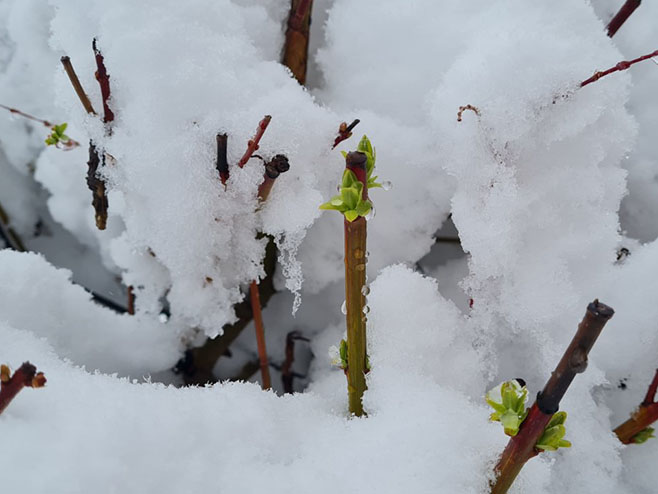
{"type": "Point", "coordinates": [543, 189]}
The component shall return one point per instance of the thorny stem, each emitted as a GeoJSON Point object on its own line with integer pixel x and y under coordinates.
{"type": "Point", "coordinates": [266, 382]}
{"type": "Point", "coordinates": [645, 415]}
{"type": "Point", "coordinates": [295, 50]}
{"type": "Point", "coordinates": [10, 386]}
{"type": "Point", "coordinates": [345, 132]}
{"type": "Point", "coordinates": [77, 85]}
{"type": "Point", "coordinates": [623, 65]}
{"type": "Point", "coordinates": [622, 16]}
{"type": "Point", "coordinates": [355, 300]}
{"type": "Point", "coordinates": [103, 79]}
{"type": "Point", "coordinates": [253, 143]}
{"type": "Point", "coordinates": [222, 160]}
{"type": "Point", "coordinates": [521, 447]}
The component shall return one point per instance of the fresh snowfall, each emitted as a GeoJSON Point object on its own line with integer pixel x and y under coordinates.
{"type": "Point", "coordinates": [511, 193]}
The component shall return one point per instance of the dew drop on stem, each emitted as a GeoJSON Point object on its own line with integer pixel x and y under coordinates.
{"type": "Point", "coordinates": [387, 185]}
{"type": "Point", "coordinates": [365, 290]}
{"type": "Point", "coordinates": [371, 214]}
{"type": "Point", "coordinates": [343, 308]}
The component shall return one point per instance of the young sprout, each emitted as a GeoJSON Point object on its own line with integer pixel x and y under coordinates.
{"type": "Point", "coordinates": [551, 439]}
{"type": "Point", "coordinates": [58, 138]}
{"type": "Point", "coordinates": [508, 400]}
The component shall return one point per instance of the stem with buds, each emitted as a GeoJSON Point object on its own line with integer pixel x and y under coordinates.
{"type": "Point", "coordinates": [521, 447]}
{"type": "Point", "coordinates": [11, 385]}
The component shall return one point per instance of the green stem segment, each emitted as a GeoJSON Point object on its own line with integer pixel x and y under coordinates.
{"type": "Point", "coordinates": [521, 447]}
{"type": "Point", "coordinates": [355, 300]}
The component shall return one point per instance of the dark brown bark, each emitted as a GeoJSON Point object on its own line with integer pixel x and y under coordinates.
{"type": "Point", "coordinates": [7, 233]}
{"type": "Point", "coordinates": [131, 301]}
{"type": "Point", "coordinates": [287, 374]}
{"type": "Point", "coordinates": [645, 415]}
{"type": "Point", "coordinates": [10, 386]}
{"type": "Point", "coordinates": [97, 187]}
{"type": "Point", "coordinates": [521, 447]}
{"type": "Point", "coordinates": [77, 85]}
{"type": "Point", "coordinates": [222, 159]}
{"type": "Point", "coordinates": [295, 50]}
{"type": "Point", "coordinates": [622, 16]}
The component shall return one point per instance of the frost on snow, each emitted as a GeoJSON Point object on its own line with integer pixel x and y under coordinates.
{"type": "Point", "coordinates": [545, 184]}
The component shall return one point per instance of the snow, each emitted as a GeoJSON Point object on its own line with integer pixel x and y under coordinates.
{"type": "Point", "coordinates": [544, 185]}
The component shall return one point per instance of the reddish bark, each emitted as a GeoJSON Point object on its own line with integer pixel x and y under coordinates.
{"type": "Point", "coordinates": [623, 65]}
{"type": "Point", "coordinates": [10, 386]}
{"type": "Point", "coordinates": [643, 417]}
{"type": "Point", "coordinates": [252, 146]}
{"type": "Point", "coordinates": [345, 132]}
{"type": "Point", "coordinates": [260, 336]}
{"type": "Point", "coordinates": [622, 16]}
{"type": "Point", "coordinates": [103, 79]}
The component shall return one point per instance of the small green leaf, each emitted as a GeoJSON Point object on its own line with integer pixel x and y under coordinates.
{"type": "Point", "coordinates": [643, 436]}
{"type": "Point", "coordinates": [363, 208]}
{"type": "Point", "coordinates": [351, 215]}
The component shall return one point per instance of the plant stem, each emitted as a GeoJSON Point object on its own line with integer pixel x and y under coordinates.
{"type": "Point", "coordinates": [77, 86]}
{"type": "Point", "coordinates": [15, 111]}
{"type": "Point", "coordinates": [131, 301]}
{"type": "Point", "coordinates": [295, 50]}
{"type": "Point", "coordinates": [355, 300]}
{"type": "Point", "coordinates": [622, 16]}
{"type": "Point", "coordinates": [521, 447]}
{"type": "Point", "coordinates": [266, 382]}
{"type": "Point", "coordinates": [8, 234]}
{"type": "Point", "coordinates": [623, 65]}
{"type": "Point", "coordinates": [103, 79]}
{"type": "Point", "coordinates": [287, 375]}
{"type": "Point", "coordinates": [97, 187]}
{"type": "Point", "coordinates": [25, 376]}
{"type": "Point", "coordinates": [345, 132]}
{"type": "Point", "coordinates": [252, 146]}
{"type": "Point", "coordinates": [643, 417]}
{"type": "Point", "coordinates": [222, 159]}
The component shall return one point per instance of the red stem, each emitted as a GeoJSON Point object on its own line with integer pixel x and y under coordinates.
{"type": "Point", "coordinates": [260, 335]}
{"type": "Point", "coordinates": [623, 65]}
{"type": "Point", "coordinates": [103, 79]}
{"type": "Point", "coordinates": [297, 19]}
{"type": "Point", "coordinates": [642, 417]}
{"type": "Point", "coordinates": [622, 16]}
{"type": "Point", "coordinates": [25, 376]}
{"type": "Point", "coordinates": [26, 115]}
{"type": "Point", "coordinates": [253, 143]}
{"type": "Point", "coordinates": [345, 132]}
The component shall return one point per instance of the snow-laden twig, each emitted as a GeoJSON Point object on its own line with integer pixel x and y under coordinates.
{"type": "Point", "coordinates": [623, 65]}
{"type": "Point", "coordinates": [77, 85]}
{"type": "Point", "coordinates": [252, 146]}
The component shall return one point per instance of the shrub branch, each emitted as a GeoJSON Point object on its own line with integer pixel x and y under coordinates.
{"type": "Point", "coordinates": [521, 447]}
{"type": "Point", "coordinates": [11, 385]}
{"type": "Point", "coordinates": [295, 50]}
{"type": "Point", "coordinates": [623, 65]}
{"type": "Point", "coordinates": [645, 415]}
{"type": "Point", "coordinates": [622, 16]}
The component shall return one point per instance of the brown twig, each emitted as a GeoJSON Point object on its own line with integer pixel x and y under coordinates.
{"type": "Point", "coordinates": [77, 85]}
{"type": "Point", "coordinates": [7, 233]}
{"type": "Point", "coordinates": [622, 16]}
{"type": "Point", "coordinates": [645, 415]}
{"type": "Point", "coordinates": [462, 109]}
{"type": "Point", "coordinates": [623, 65]}
{"type": "Point", "coordinates": [103, 79]}
{"type": "Point", "coordinates": [97, 187]}
{"type": "Point", "coordinates": [273, 168]}
{"type": "Point", "coordinates": [521, 447]}
{"type": "Point", "coordinates": [266, 382]}
{"type": "Point", "coordinates": [131, 301]}
{"type": "Point", "coordinates": [252, 145]}
{"type": "Point", "coordinates": [345, 132]}
{"type": "Point", "coordinates": [10, 386]}
{"type": "Point", "coordinates": [287, 375]}
{"type": "Point", "coordinates": [222, 159]}
{"type": "Point", "coordinates": [295, 50]}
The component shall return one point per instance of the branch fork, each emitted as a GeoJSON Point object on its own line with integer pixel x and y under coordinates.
{"type": "Point", "coordinates": [26, 376]}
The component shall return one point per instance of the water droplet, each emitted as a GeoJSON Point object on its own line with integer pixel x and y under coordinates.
{"type": "Point", "coordinates": [163, 318]}
{"type": "Point", "coordinates": [358, 253]}
{"type": "Point", "coordinates": [371, 214]}
{"type": "Point", "coordinates": [343, 308]}
{"type": "Point", "coordinates": [366, 309]}
{"type": "Point", "coordinates": [360, 267]}
{"type": "Point", "coordinates": [387, 185]}
{"type": "Point", "coordinates": [365, 290]}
